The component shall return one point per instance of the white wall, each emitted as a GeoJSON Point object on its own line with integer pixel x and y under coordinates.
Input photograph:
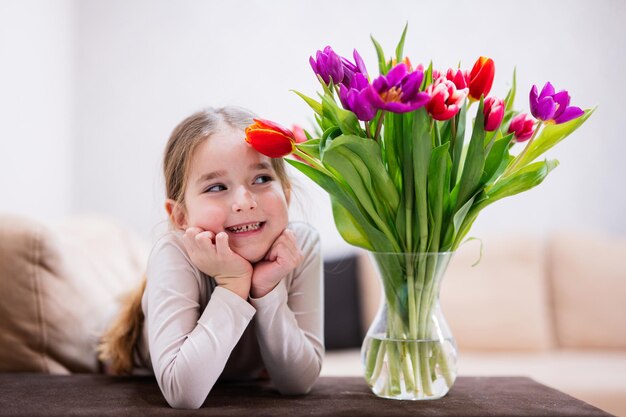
{"type": "Point", "coordinates": [141, 66]}
{"type": "Point", "coordinates": [36, 107]}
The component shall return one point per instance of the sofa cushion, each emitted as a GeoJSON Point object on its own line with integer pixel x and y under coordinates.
{"type": "Point", "coordinates": [60, 286]}
{"type": "Point", "coordinates": [588, 280]}
{"type": "Point", "coordinates": [502, 303]}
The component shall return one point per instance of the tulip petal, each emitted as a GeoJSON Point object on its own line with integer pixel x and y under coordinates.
{"type": "Point", "coordinates": [545, 108]}
{"type": "Point", "coordinates": [269, 125]}
{"type": "Point", "coordinates": [396, 74]}
{"type": "Point", "coordinates": [547, 90]}
{"type": "Point", "coordinates": [359, 62]}
{"type": "Point", "coordinates": [570, 113]}
{"type": "Point", "coordinates": [562, 100]}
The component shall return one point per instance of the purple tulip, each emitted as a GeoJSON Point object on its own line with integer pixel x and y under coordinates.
{"type": "Point", "coordinates": [398, 91]}
{"type": "Point", "coordinates": [359, 98]}
{"type": "Point", "coordinates": [551, 106]}
{"type": "Point", "coordinates": [350, 69]}
{"type": "Point", "coordinates": [328, 65]}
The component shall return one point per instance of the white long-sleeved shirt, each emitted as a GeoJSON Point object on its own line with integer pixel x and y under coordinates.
{"type": "Point", "coordinates": [196, 332]}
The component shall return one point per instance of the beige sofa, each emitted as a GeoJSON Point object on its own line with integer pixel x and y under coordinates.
{"type": "Point", "coordinates": [553, 309]}
{"type": "Point", "coordinates": [550, 308]}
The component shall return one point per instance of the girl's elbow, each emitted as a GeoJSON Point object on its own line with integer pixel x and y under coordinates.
{"type": "Point", "coordinates": [184, 403]}
{"type": "Point", "coordinates": [183, 397]}
{"type": "Point", "coordinates": [300, 386]}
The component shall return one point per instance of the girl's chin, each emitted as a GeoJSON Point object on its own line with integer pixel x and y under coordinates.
{"type": "Point", "coordinates": [251, 256]}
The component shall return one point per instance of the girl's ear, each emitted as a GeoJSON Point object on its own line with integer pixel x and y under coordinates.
{"type": "Point", "coordinates": [177, 214]}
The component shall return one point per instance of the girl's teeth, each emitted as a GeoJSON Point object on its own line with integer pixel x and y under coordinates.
{"type": "Point", "coordinates": [246, 228]}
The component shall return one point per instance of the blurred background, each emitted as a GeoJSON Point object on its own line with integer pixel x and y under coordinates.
{"type": "Point", "coordinates": [90, 91]}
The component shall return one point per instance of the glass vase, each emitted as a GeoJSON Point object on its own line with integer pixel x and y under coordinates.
{"type": "Point", "coordinates": [409, 352]}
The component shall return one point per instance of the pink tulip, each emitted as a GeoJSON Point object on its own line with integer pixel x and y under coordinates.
{"type": "Point", "coordinates": [445, 99]}
{"type": "Point", "coordinates": [522, 126]}
{"type": "Point", "coordinates": [494, 113]}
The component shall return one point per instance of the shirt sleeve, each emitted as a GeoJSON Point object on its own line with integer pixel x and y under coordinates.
{"type": "Point", "coordinates": [187, 350]}
{"type": "Point", "coordinates": [290, 323]}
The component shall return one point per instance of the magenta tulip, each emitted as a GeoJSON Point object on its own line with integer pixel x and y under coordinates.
{"type": "Point", "coordinates": [522, 126]}
{"type": "Point", "coordinates": [494, 113]}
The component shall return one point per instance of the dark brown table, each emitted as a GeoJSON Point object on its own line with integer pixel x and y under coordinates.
{"type": "Point", "coordinates": [35, 395]}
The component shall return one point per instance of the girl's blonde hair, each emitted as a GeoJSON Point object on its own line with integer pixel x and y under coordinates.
{"type": "Point", "coordinates": [117, 345]}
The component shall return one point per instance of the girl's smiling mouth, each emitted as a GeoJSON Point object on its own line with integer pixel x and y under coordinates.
{"type": "Point", "coordinates": [246, 228]}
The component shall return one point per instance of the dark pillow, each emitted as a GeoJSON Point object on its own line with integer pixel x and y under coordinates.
{"type": "Point", "coordinates": [342, 308]}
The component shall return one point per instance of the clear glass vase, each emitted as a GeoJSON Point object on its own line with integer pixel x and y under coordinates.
{"type": "Point", "coordinates": [409, 352]}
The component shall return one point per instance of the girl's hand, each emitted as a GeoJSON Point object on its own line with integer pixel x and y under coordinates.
{"type": "Point", "coordinates": [213, 256]}
{"type": "Point", "coordinates": [282, 258]}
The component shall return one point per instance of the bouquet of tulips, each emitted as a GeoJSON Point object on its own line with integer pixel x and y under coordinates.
{"type": "Point", "coordinates": [406, 176]}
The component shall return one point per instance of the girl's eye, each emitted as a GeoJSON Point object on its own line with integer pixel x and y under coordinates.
{"type": "Point", "coordinates": [215, 188]}
{"type": "Point", "coordinates": [261, 179]}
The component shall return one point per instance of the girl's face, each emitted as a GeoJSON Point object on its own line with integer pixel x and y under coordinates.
{"type": "Point", "coordinates": [232, 188]}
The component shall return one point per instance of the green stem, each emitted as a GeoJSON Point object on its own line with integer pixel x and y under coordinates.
{"type": "Point", "coordinates": [379, 125]}
{"type": "Point", "coordinates": [511, 168]}
{"type": "Point", "coordinates": [313, 162]}
{"type": "Point", "coordinates": [367, 130]}
{"type": "Point", "coordinates": [370, 360]}
{"type": "Point", "coordinates": [409, 380]}
{"type": "Point", "coordinates": [393, 371]}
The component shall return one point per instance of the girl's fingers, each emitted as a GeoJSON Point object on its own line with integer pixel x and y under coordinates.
{"type": "Point", "coordinates": [189, 238]}
{"type": "Point", "coordinates": [205, 239]}
{"type": "Point", "coordinates": [221, 244]}
{"type": "Point", "coordinates": [289, 241]}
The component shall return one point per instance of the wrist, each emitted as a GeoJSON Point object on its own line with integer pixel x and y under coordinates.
{"type": "Point", "coordinates": [240, 292]}
{"type": "Point", "coordinates": [261, 291]}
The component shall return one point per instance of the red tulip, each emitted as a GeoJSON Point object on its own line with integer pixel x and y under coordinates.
{"type": "Point", "coordinates": [481, 78]}
{"type": "Point", "coordinates": [445, 99]}
{"type": "Point", "coordinates": [494, 113]}
{"type": "Point", "coordinates": [457, 76]}
{"type": "Point", "coordinates": [522, 126]}
{"type": "Point", "coordinates": [270, 139]}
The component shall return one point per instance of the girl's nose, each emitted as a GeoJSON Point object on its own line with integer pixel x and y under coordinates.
{"type": "Point", "coordinates": [244, 201]}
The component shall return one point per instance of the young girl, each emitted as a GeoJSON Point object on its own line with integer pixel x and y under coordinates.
{"type": "Point", "coordinates": [233, 291]}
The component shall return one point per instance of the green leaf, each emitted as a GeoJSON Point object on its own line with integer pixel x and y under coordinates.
{"type": "Point", "coordinates": [437, 187]}
{"type": "Point", "coordinates": [310, 147]}
{"type": "Point", "coordinates": [349, 228]}
{"type": "Point", "coordinates": [428, 77]}
{"type": "Point", "coordinates": [315, 105]}
{"type": "Point", "coordinates": [328, 135]}
{"type": "Point", "coordinates": [474, 161]}
{"type": "Point", "coordinates": [378, 240]}
{"type": "Point", "coordinates": [382, 63]}
{"type": "Point", "coordinates": [523, 180]}
{"type": "Point", "coordinates": [346, 120]}
{"type": "Point", "coordinates": [550, 136]}
{"type": "Point", "coordinates": [368, 151]}
{"type": "Point", "coordinates": [400, 47]}
{"type": "Point", "coordinates": [389, 151]}
{"type": "Point", "coordinates": [421, 159]}
{"type": "Point", "coordinates": [456, 148]}
{"type": "Point", "coordinates": [354, 172]}
{"type": "Point", "coordinates": [455, 225]}
{"type": "Point", "coordinates": [358, 162]}
{"type": "Point", "coordinates": [497, 160]}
